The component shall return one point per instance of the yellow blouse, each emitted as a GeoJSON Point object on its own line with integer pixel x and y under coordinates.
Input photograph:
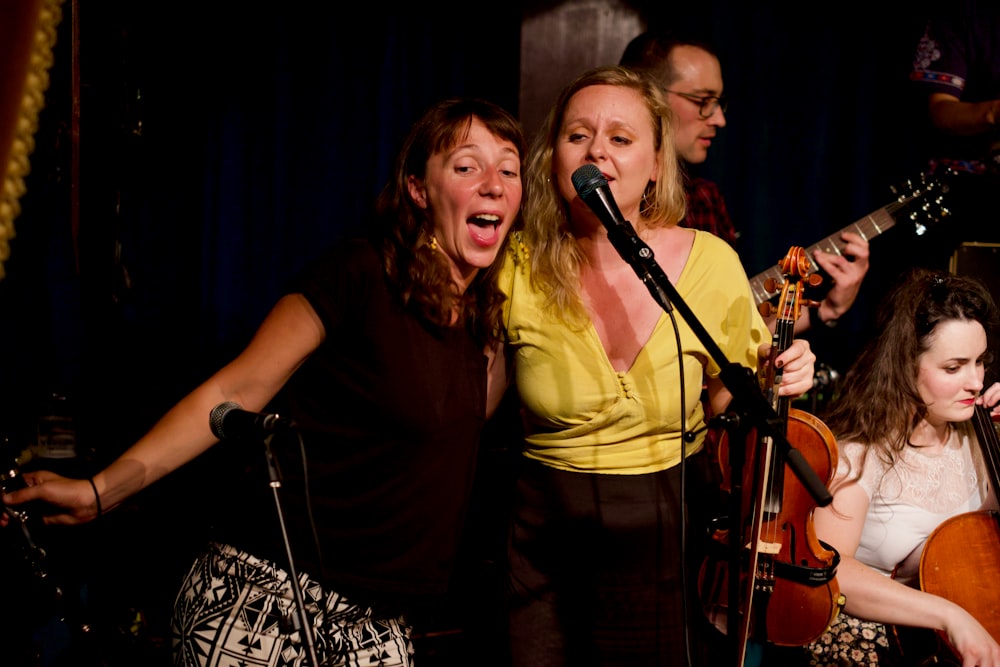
{"type": "Point", "coordinates": [582, 415]}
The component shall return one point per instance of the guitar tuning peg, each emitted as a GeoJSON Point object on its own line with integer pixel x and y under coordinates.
{"type": "Point", "coordinates": [919, 227]}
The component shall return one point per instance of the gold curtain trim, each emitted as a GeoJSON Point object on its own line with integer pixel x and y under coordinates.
{"type": "Point", "coordinates": [42, 23]}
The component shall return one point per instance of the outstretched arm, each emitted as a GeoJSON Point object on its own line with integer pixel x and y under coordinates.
{"type": "Point", "coordinates": [288, 335]}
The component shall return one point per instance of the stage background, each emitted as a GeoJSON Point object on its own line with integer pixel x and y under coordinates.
{"type": "Point", "coordinates": [222, 147]}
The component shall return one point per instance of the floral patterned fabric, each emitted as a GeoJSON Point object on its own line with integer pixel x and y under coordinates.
{"type": "Point", "coordinates": [851, 641]}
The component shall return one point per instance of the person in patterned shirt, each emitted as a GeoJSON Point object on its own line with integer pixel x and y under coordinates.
{"type": "Point", "coordinates": [956, 72]}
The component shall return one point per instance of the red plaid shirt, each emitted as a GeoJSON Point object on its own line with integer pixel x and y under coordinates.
{"type": "Point", "coordinates": [706, 210]}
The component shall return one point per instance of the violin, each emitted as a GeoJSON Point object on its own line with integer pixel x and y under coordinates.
{"type": "Point", "coordinates": [959, 555]}
{"type": "Point", "coordinates": [787, 590]}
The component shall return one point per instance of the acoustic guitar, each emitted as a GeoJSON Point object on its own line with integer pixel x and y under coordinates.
{"type": "Point", "coordinates": [920, 203]}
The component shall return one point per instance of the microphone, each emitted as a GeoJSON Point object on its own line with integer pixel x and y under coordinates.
{"type": "Point", "coordinates": [229, 421]}
{"type": "Point", "coordinates": [595, 192]}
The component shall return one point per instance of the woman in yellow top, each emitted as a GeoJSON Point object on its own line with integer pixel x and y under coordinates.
{"type": "Point", "coordinates": [607, 402]}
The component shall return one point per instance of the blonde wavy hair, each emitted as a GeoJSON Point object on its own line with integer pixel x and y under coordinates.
{"type": "Point", "coordinates": [554, 254]}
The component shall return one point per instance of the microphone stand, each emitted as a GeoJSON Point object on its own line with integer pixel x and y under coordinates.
{"type": "Point", "coordinates": [302, 620]}
{"type": "Point", "coordinates": [738, 379]}
{"type": "Point", "coordinates": [753, 408]}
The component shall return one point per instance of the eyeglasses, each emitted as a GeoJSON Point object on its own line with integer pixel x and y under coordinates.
{"type": "Point", "coordinates": [706, 105]}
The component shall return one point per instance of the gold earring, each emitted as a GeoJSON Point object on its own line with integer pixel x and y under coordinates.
{"type": "Point", "coordinates": [433, 243]}
{"type": "Point", "coordinates": [647, 205]}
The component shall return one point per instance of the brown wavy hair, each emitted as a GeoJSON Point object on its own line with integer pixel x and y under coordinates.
{"type": "Point", "coordinates": [420, 275]}
{"type": "Point", "coordinates": [879, 404]}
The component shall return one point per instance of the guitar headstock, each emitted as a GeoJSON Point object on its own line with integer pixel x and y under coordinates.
{"type": "Point", "coordinates": [921, 202]}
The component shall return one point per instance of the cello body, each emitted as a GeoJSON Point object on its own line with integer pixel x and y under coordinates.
{"type": "Point", "coordinates": [960, 558]}
{"type": "Point", "coordinates": [961, 555]}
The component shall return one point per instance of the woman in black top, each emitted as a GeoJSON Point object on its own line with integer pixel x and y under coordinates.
{"type": "Point", "coordinates": [382, 350]}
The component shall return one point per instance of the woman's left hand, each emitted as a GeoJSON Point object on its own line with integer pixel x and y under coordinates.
{"type": "Point", "coordinates": [991, 399]}
{"type": "Point", "coordinates": [797, 365]}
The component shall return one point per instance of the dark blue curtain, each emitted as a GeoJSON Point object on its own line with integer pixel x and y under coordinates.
{"type": "Point", "coordinates": [822, 125]}
{"type": "Point", "coordinates": [222, 147]}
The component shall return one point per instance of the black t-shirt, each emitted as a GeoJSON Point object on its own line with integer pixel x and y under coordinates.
{"type": "Point", "coordinates": [390, 410]}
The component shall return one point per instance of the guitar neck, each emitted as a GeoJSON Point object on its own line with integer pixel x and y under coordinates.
{"type": "Point", "coordinates": [867, 227]}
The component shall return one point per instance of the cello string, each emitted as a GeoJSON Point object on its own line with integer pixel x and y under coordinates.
{"type": "Point", "coordinates": [989, 442]}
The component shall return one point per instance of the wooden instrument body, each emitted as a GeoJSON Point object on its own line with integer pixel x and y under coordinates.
{"type": "Point", "coordinates": [961, 562]}
{"type": "Point", "coordinates": [796, 612]}
{"type": "Point", "coordinates": [963, 565]}
{"type": "Point", "coordinates": [787, 592]}
{"type": "Point", "coordinates": [799, 612]}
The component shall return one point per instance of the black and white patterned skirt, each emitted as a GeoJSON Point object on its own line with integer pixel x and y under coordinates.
{"type": "Point", "coordinates": [234, 609]}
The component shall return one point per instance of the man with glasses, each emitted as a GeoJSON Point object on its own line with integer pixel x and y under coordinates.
{"type": "Point", "coordinates": [691, 76]}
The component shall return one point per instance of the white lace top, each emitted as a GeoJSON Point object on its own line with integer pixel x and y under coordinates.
{"type": "Point", "coordinates": [911, 499]}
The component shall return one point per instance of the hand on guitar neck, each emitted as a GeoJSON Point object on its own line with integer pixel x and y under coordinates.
{"type": "Point", "coordinates": [843, 256]}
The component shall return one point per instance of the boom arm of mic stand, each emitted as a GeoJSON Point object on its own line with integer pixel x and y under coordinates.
{"type": "Point", "coordinates": [737, 379]}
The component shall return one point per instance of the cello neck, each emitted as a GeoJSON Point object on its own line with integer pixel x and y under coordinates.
{"type": "Point", "coordinates": [989, 443]}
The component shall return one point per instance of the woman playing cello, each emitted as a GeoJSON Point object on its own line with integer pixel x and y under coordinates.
{"type": "Point", "coordinates": [909, 460]}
